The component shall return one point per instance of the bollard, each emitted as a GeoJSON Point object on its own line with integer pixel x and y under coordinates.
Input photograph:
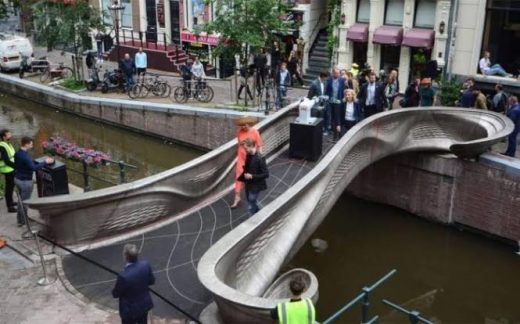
{"type": "Point", "coordinates": [45, 280]}
{"type": "Point", "coordinates": [365, 305]}
{"type": "Point", "coordinates": [86, 178]}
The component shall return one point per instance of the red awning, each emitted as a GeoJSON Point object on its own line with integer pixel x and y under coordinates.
{"type": "Point", "coordinates": [358, 33]}
{"type": "Point", "coordinates": [417, 37]}
{"type": "Point", "coordinates": [388, 35]}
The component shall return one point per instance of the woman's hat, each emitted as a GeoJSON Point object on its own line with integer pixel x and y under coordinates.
{"type": "Point", "coordinates": [426, 81]}
{"type": "Point", "coordinates": [355, 65]}
{"type": "Point", "coordinates": [246, 120]}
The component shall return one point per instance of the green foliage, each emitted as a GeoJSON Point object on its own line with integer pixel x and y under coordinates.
{"type": "Point", "coordinates": [334, 7]}
{"type": "Point", "coordinates": [72, 84]}
{"type": "Point", "coordinates": [66, 25]}
{"type": "Point", "coordinates": [449, 91]}
{"type": "Point", "coordinates": [4, 10]}
{"type": "Point", "coordinates": [243, 23]}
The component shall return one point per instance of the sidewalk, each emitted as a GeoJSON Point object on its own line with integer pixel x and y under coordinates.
{"type": "Point", "coordinates": [24, 301]}
{"type": "Point", "coordinates": [224, 89]}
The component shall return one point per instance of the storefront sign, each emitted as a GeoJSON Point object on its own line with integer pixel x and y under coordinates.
{"type": "Point", "coordinates": [189, 37]}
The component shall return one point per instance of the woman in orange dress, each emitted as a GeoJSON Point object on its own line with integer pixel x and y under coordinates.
{"type": "Point", "coordinates": [244, 131]}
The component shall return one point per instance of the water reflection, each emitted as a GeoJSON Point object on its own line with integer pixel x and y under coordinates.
{"type": "Point", "coordinates": [150, 155]}
{"type": "Point", "coordinates": [448, 275]}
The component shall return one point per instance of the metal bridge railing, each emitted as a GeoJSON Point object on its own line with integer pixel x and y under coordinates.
{"type": "Point", "coordinates": [364, 297]}
{"type": "Point", "coordinates": [413, 316]}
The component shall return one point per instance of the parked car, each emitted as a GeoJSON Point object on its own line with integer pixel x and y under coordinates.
{"type": "Point", "coordinates": [12, 48]}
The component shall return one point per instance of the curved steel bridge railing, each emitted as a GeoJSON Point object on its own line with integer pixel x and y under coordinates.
{"type": "Point", "coordinates": [241, 267]}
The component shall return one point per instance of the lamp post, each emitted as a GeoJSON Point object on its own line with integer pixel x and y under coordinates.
{"type": "Point", "coordinates": [115, 10]}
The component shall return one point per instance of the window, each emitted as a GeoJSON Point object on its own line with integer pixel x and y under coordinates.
{"type": "Point", "coordinates": [425, 13]}
{"type": "Point", "coordinates": [363, 12]}
{"type": "Point", "coordinates": [394, 12]}
{"type": "Point", "coordinates": [126, 15]}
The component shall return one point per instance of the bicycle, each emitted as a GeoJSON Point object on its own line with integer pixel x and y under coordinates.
{"type": "Point", "coordinates": [56, 71]}
{"type": "Point", "coordinates": [198, 90]}
{"type": "Point", "coordinates": [157, 86]}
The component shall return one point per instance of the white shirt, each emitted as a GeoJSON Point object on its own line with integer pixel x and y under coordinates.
{"type": "Point", "coordinates": [371, 93]}
{"type": "Point", "coordinates": [349, 113]}
{"type": "Point", "coordinates": [141, 61]}
{"type": "Point", "coordinates": [198, 70]}
{"type": "Point", "coordinates": [322, 86]}
{"type": "Point", "coordinates": [484, 64]}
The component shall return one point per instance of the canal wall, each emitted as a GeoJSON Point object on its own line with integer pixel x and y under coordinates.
{"type": "Point", "coordinates": [203, 128]}
{"type": "Point", "coordinates": [483, 195]}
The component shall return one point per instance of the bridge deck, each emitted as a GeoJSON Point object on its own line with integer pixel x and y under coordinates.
{"type": "Point", "coordinates": [174, 250]}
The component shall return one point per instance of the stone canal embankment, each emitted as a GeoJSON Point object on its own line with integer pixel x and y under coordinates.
{"type": "Point", "coordinates": [482, 195]}
{"type": "Point", "coordinates": [203, 128]}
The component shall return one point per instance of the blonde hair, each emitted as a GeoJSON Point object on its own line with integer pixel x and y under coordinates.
{"type": "Point", "coordinates": [353, 94]}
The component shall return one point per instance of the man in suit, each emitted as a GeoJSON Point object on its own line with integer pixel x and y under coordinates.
{"type": "Point", "coordinates": [372, 96]}
{"type": "Point", "coordinates": [317, 87]}
{"type": "Point", "coordinates": [282, 80]}
{"type": "Point", "coordinates": [335, 89]}
{"type": "Point", "coordinates": [132, 288]}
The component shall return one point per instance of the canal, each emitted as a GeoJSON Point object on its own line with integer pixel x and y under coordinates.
{"type": "Point", "coordinates": [150, 155]}
{"type": "Point", "coordinates": [448, 275]}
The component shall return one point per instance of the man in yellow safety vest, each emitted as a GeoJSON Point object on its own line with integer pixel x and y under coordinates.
{"type": "Point", "coordinates": [298, 310]}
{"type": "Point", "coordinates": [7, 167]}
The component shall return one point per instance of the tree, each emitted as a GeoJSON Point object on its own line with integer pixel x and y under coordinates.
{"type": "Point", "coordinates": [247, 23]}
{"type": "Point", "coordinates": [66, 24]}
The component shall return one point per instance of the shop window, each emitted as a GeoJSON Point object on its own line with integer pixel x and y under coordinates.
{"type": "Point", "coordinates": [425, 13]}
{"type": "Point", "coordinates": [390, 57]}
{"type": "Point", "coordinates": [363, 12]}
{"type": "Point", "coordinates": [394, 12]}
{"type": "Point", "coordinates": [501, 34]}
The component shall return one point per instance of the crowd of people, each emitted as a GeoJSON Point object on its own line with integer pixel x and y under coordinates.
{"type": "Point", "coordinates": [354, 95]}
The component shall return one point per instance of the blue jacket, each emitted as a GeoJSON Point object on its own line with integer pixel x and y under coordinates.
{"type": "Point", "coordinates": [467, 100]}
{"type": "Point", "coordinates": [24, 165]}
{"type": "Point", "coordinates": [514, 115]}
{"type": "Point", "coordinates": [341, 89]}
{"type": "Point", "coordinates": [339, 116]}
{"type": "Point", "coordinates": [132, 290]}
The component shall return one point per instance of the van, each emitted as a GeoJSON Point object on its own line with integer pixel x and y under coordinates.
{"type": "Point", "coordinates": [11, 50]}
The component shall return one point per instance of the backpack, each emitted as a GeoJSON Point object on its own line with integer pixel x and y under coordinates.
{"type": "Point", "coordinates": [502, 104]}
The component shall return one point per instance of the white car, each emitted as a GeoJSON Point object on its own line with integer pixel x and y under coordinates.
{"type": "Point", "coordinates": [11, 50]}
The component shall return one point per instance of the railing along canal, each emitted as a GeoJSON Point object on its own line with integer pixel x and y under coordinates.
{"type": "Point", "coordinates": [364, 298]}
{"type": "Point", "coordinates": [87, 176]}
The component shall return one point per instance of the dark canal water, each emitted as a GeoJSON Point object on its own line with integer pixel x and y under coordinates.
{"type": "Point", "coordinates": [150, 155]}
{"type": "Point", "coordinates": [448, 275]}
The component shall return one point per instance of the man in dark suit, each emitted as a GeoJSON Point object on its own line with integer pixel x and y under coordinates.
{"type": "Point", "coordinates": [372, 96]}
{"type": "Point", "coordinates": [317, 87]}
{"type": "Point", "coordinates": [255, 173]}
{"type": "Point", "coordinates": [335, 89]}
{"type": "Point", "coordinates": [132, 288]}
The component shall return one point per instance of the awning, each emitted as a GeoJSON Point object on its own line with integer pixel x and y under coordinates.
{"type": "Point", "coordinates": [388, 35]}
{"type": "Point", "coordinates": [358, 33]}
{"type": "Point", "coordinates": [417, 37]}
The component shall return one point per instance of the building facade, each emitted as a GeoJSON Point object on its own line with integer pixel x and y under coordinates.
{"type": "Point", "coordinates": [404, 34]}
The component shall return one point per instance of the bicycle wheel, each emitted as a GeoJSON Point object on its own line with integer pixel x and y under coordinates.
{"type": "Point", "coordinates": [180, 95]}
{"type": "Point", "coordinates": [143, 91]}
{"type": "Point", "coordinates": [167, 91]}
{"type": "Point", "coordinates": [205, 94]}
{"type": "Point", "coordinates": [133, 92]}
{"type": "Point", "coordinates": [158, 89]}
{"type": "Point", "coordinates": [46, 75]}
{"type": "Point", "coordinates": [66, 73]}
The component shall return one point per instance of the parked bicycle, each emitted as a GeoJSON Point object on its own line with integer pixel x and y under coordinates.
{"type": "Point", "coordinates": [155, 85]}
{"type": "Point", "coordinates": [56, 71]}
{"type": "Point", "coordinates": [197, 89]}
